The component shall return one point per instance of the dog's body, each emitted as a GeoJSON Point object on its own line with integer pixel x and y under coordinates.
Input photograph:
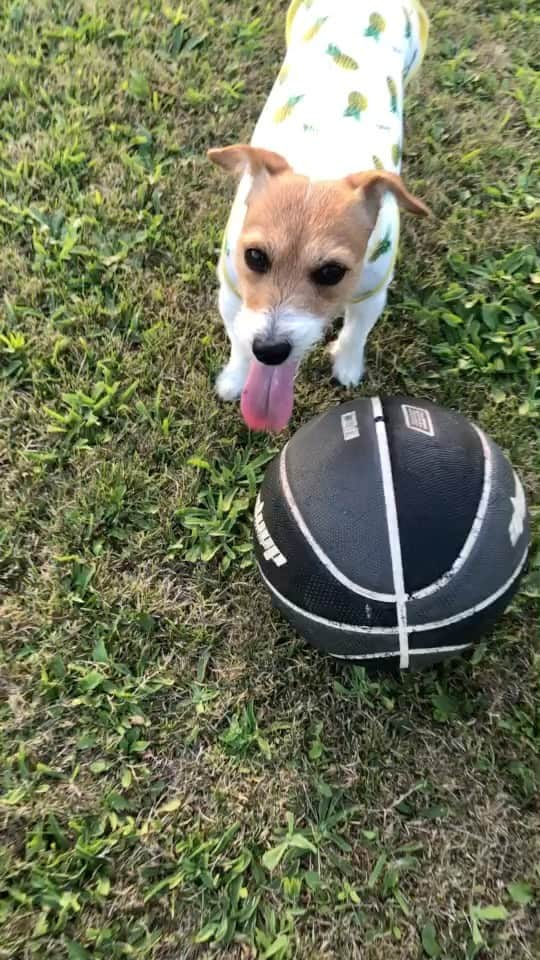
{"type": "Point", "coordinates": [308, 238]}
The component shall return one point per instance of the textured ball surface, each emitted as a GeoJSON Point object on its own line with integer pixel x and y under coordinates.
{"type": "Point", "coordinates": [391, 532]}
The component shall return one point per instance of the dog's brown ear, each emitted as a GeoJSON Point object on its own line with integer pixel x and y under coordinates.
{"type": "Point", "coordinates": [241, 157]}
{"type": "Point", "coordinates": [373, 184]}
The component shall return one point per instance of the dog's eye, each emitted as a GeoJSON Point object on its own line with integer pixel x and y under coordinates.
{"type": "Point", "coordinates": [329, 275]}
{"type": "Point", "coordinates": [257, 260]}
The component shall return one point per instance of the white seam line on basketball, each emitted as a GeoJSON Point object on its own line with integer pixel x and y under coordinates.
{"type": "Point", "coordinates": [458, 617]}
{"type": "Point", "coordinates": [418, 628]}
{"type": "Point", "coordinates": [317, 550]}
{"type": "Point", "coordinates": [393, 530]}
{"type": "Point", "coordinates": [474, 532]}
{"type": "Point", "coordinates": [424, 652]}
{"type": "Point", "coordinates": [336, 624]}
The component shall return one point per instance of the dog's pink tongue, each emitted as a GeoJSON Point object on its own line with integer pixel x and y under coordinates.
{"type": "Point", "coordinates": [268, 397]}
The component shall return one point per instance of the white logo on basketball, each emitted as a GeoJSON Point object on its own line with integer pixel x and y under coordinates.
{"type": "Point", "coordinates": [271, 552]}
{"type": "Point", "coordinates": [517, 523]}
{"type": "Point", "coordinates": [349, 425]}
{"type": "Point", "coordinates": [418, 419]}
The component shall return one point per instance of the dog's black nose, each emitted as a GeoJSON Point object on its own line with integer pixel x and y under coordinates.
{"type": "Point", "coordinates": [271, 353]}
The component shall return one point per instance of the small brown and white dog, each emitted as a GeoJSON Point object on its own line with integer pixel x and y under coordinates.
{"type": "Point", "coordinates": [309, 239]}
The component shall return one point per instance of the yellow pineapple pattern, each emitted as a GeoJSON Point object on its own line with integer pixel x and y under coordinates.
{"type": "Point", "coordinates": [377, 25]}
{"type": "Point", "coordinates": [341, 59]}
{"type": "Point", "coordinates": [313, 30]}
{"type": "Point", "coordinates": [285, 111]}
{"type": "Point", "coordinates": [392, 89]}
{"type": "Point", "coordinates": [382, 247]}
{"type": "Point", "coordinates": [377, 162]}
{"type": "Point", "coordinates": [283, 74]}
{"type": "Point", "coordinates": [396, 154]}
{"type": "Point", "coordinates": [357, 103]}
{"type": "Point", "coordinates": [408, 24]}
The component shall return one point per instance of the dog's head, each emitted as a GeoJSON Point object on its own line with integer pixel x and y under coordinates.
{"type": "Point", "coordinates": [301, 249]}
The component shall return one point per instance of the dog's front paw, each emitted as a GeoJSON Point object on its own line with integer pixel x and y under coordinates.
{"type": "Point", "coordinates": [230, 383]}
{"type": "Point", "coordinates": [347, 369]}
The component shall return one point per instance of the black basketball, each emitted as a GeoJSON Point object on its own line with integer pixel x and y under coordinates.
{"type": "Point", "coordinates": [391, 532]}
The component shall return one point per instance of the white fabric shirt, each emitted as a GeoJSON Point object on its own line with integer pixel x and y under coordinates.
{"type": "Point", "coordinates": [336, 108]}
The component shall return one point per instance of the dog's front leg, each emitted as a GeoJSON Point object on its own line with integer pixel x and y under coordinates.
{"type": "Point", "coordinates": [348, 349]}
{"type": "Point", "coordinates": [230, 383]}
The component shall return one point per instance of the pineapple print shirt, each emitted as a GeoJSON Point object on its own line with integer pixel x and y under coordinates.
{"type": "Point", "coordinates": [337, 108]}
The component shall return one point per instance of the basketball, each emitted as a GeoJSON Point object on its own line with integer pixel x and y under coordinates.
{"type": "Point", "coordinates": [391, 532]}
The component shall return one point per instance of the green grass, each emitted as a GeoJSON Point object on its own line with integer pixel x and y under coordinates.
{"type": "Point", "coordinates": [181, 776]}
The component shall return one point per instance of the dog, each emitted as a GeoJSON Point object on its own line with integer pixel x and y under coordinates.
{"type": "Point", "coordinates": [314, 228]}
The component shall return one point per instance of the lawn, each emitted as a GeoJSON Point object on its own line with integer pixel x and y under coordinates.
{"type": "Point", "coordinates": [181, 776]}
